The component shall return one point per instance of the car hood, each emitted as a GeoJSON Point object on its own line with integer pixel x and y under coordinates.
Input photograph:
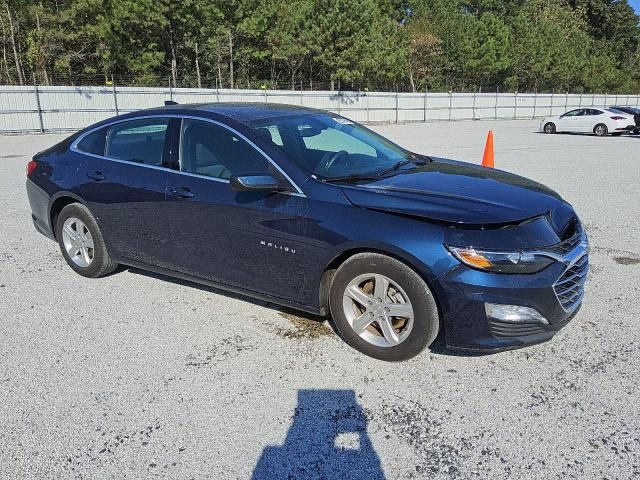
{"type": "Point", "coordinates": [458, 193]}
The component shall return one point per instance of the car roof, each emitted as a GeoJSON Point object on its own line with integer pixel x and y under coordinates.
{"type": "Point", "coordinates": [625, 107]}
{"type": "Point", "coordinates": [245, 112]}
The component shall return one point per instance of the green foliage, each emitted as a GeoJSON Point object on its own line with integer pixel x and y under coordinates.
{"type": "Point", "coordinates": [488, 59]}
{"type": "Point", "coordinates": [576, 45]}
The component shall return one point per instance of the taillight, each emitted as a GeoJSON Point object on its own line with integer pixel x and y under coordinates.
{"type": "Point", "coordinates": [617, 118]}
{"type": "Point", "coordinates": [31, 166]}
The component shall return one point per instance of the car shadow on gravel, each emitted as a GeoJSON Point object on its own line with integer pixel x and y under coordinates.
{"type": "Point", "coordinates": [327, 439]}
{"type": "Point", "coordinates": [304, 325]}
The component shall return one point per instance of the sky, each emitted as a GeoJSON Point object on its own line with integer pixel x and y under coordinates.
{"type": "Point", "coordinates": [636, 5]}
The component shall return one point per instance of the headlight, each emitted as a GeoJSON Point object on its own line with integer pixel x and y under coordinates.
{"type": "Point", "coordinates": [501, 262]}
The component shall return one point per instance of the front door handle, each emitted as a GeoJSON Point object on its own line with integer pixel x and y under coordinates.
{"type": "Point", "coordinates": [97, 176]}
{"type": "Point", "coordinates": [182, 192]}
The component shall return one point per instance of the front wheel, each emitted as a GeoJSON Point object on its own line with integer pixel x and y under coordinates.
{"type": "Point", "coordinates": [549, 127]}
{"type": "Point", "coordinates": [81, 242]}
{"type": "Point", "coordinates": [601, 130]}
{"type": "Point", "coordinates": [383, 308]}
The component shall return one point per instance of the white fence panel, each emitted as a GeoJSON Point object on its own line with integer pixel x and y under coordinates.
{"type": "Point", "coordinates": [58, 108]}
{"type": "Point", "coordinates": [18, 109]}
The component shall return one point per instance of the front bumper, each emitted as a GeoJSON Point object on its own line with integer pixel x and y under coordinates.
{"type": "Point", "coordinates": [550, 292]}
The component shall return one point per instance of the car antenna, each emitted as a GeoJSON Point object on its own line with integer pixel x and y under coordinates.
{"type": "Point", "coordinates": [169, 102]}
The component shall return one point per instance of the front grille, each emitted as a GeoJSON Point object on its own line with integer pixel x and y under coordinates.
{"type": "Point", "coordinates": [570, 286]}
{"type": "Point", "coordinates": [567, 245]}
{"type": "Point", "coordinates": [509, 329]}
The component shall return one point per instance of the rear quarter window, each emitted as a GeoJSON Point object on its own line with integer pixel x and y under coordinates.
{"type": "Point", "coordinates": [93, 143]}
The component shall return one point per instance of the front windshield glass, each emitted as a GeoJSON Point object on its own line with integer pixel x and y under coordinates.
{"type": "Point", "coordinates": [328, 146]}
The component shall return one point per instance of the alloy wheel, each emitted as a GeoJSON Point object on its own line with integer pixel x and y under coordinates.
{"type": "Point", "coordinates": [600, 130]}
{"type": "Point", "coordinates": [378, 310]}
{"type": "Point", "coordinates": [78, 242]}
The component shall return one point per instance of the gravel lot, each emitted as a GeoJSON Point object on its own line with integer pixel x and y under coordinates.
{"type": "Point", "coordinates": [135, 375]}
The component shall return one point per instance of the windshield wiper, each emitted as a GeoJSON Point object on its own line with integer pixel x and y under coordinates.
{"type": "Point", "coordinates": [357, 177]}
{"type": "Point", "coordinates": [353, 178]}
{"type": "Point", "coordinates": [399, 165]}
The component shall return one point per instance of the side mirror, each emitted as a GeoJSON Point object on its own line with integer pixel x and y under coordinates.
{"type": "Point", "coordinates": [256, 183]}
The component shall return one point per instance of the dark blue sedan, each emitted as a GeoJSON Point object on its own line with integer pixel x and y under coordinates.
{"type": "Point", "coordinates": [310, 210]}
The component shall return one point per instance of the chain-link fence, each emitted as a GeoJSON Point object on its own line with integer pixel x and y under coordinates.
{"type": "Point", "coordinates": [64, 108]}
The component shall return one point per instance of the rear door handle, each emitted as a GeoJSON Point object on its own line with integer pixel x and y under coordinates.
{"type": "Point", "coordinates": [97, 176]}
{"type": "Point", "coordinates": [182, 192]}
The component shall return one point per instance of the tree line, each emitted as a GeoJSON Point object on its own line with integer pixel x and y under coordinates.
{"type": "Point", "coordinates": [409, 45]}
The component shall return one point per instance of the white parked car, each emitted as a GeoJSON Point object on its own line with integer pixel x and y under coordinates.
{"type": "Point", "coordinates": [600, 121]}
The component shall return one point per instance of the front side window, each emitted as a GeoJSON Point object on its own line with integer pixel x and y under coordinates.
{"type": "Point", "coordinates": [328, 146]}
{"type": "Point", "coordinates": [214, 151]}
{"type": "Point", "coordinates": [574, 113]}
{"type": "Point", "coordinates": [140, 141]}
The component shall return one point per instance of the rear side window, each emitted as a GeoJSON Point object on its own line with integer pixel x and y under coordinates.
{"type": "Point", "coordinates": [140, 141]}
{"type": "Point", "coordinates": [93, 143]}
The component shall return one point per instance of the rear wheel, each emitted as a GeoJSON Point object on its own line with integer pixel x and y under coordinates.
{"type": "Point", "coordinates": [549, 127]}
{"type": "Point", "coordinates": [81, 242]}
{"type": "Point", "coordinates": [600, 130]}
{"type": "Point", "coordinates": [383, 308]}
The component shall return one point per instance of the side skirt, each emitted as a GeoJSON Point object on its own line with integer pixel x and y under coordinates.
{"type": "Point", "coordinates": [222, 286]}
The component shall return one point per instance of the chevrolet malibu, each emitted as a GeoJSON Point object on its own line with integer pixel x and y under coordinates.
{"type": "Point", "coordinates": [309, 210]}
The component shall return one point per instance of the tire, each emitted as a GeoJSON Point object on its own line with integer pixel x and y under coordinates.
{"type": "Point", "coordinates": [77, 231]}
{"type": "Point", "coordinates": [549, 127]}
{"type": "Point", "coordinates": [405, 292]}
{"type": "Point", "coordinates": [600, 130]}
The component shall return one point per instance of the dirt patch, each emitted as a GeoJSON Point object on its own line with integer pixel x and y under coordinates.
{"type": "Point", "coordinates": [310, 327]}
{"type": "Point", "coordinates": [627, 260]}
{"type": "Point", "coordinates": [414, 425]}
{"type": "Point", "coordinates": [228, 348]}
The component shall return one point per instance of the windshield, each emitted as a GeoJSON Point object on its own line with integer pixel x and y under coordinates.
{"type": "Point", "coordinates": [330, 147]}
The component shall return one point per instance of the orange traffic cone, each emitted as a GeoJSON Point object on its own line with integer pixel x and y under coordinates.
{"type": "Point", "coordinates": [487, 158]}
